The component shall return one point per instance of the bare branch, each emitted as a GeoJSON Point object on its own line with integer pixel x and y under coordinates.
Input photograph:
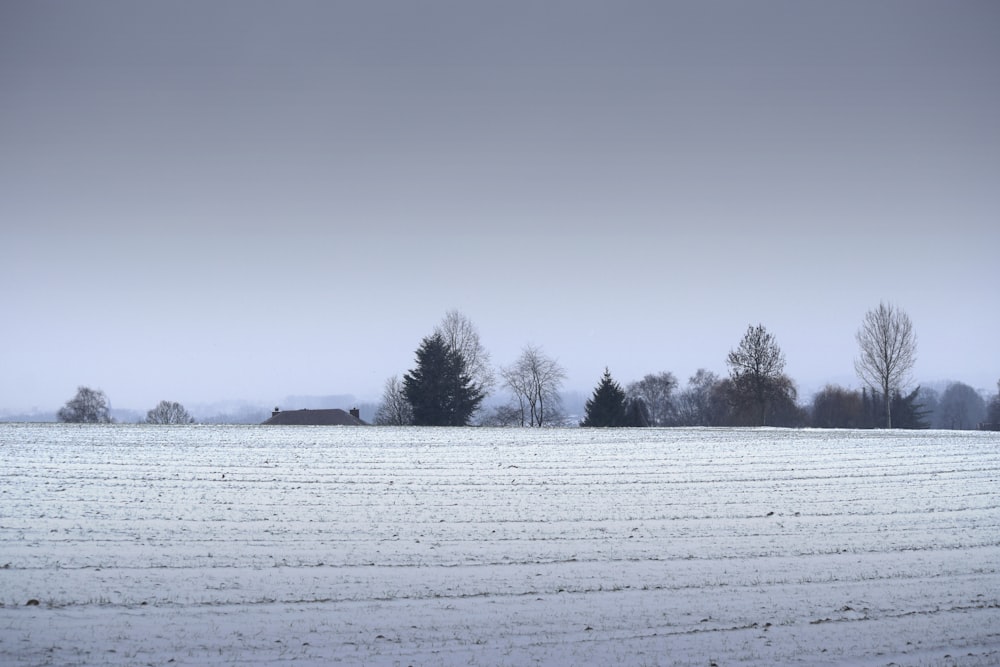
{"type": "Point", "coordinates": [887, 348]}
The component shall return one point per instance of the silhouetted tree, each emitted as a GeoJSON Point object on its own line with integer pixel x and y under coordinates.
{"type": "Point", "coordinates": [89, 406]}
{"type": "Point", "coordinates": [534, 379]}
{"type": "Point", "coordinates": [703, 402]}
{"type": "Point", "coordinates": [909, 413]}
{"type": "Point", "coordinates": [607, 405]}
{"type": "Point", "coordinates": [636, 413]}
{"type": "Point", "coordinates": [783, 410]}
{"type": "Point", "coordinates": [657, 395]}
{"type": "Point", "coordinates": [929, 400]}
{"type": "Point", "coordinates": [836, 407]}
{"type": "Point", "coordinates": [439, 389]}
{"type": "Point", "coordinates": [779, 410]}
{"type": "Point", "coordinates": [960, 408]}
{"type": "Point", "coordinates": [395, 409]}
{"type": "Point", "coordinates": [755, 369]}
{"type": "Point", "coordinates": [888, 350]}
{"type": "Point", "coordinates": [993, 411]}
{"type": "Point", "coordinates": [169, 412]}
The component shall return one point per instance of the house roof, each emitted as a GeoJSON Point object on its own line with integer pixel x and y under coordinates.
{"type": "Point", "coordinates": [335, 417]}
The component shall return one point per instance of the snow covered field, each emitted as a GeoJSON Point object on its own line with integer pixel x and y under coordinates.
{"type": "Point", "coordinates": [242, 545]}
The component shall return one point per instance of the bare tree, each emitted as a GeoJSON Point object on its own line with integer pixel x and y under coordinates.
{"type": "Point", "coordinates": [89, 406]}
{"type": "Point", "coordinates": [888, 348]}
{"type": "Point", "coordinates": [534, 379]}
{"type": "Point", "coordinates": [462, 336]}
{"type": "Point", "coordinates": [656, 392]}
{"type": "Point", "coordinates": [395, 409]}
{"type": "Point", "coordinates": [169, 412]}
{"type": "Point", "coordinates": [755, 368]}
{"type": "Point", "coordinates": [502, 415]}
{"type": "Point", "coordinates": [700, 403]}
{"type": "Point", "coordinates": [960, 408]}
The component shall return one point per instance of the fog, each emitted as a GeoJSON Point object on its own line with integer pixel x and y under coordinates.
{"type": "Point", "coordinates": [252, 201]}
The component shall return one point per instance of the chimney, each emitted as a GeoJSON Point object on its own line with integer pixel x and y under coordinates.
{"type": "Point", "coordinates": [276, 411]}
{"type": "Point", "coordinates": [355, 413]}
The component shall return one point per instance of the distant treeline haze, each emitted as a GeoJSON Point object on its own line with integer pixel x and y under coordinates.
{"type": "Point", "coordinates": [453, 383]}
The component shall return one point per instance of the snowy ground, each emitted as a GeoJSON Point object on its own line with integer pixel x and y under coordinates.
{"type": "Point", "coordinates": [377, 546]}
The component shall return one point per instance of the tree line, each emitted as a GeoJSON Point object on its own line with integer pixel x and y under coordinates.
{"type": "Point", "coordinates": [453, 376]}
{"type": "Point", "coordinates": [91, 406]}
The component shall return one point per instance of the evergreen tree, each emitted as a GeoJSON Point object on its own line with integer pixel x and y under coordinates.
{"type": "Point", "coordinates": [607, 406]}
{"type": "Point", "coordinates": [907, 412]}
{"type": "Point", "coordinates": [439, 389]}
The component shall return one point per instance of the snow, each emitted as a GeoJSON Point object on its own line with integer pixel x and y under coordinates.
{"type": "Point", "coordinates": [235, 545]}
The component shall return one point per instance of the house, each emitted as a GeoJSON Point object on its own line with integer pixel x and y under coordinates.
{"type": "Point", "coordinates": [335, 417]}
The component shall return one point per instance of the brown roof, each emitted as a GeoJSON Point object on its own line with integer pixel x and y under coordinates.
{"type": "Point", "coordinates": [335, 417]}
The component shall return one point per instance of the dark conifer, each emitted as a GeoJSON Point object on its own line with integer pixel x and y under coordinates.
{"type": "Point", "coordinates": [439, 389]}
{"type": "Point", "coordinates": [907, 412]}
{"type": "Point", "coordinates": [607, 406]}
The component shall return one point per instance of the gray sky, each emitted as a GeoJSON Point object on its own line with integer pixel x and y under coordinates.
{"type": "Point", "coordinates": [208, 200]}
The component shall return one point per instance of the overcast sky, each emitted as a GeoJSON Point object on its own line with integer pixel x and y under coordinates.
{"type": "Point", "coordinates": [211, 200]}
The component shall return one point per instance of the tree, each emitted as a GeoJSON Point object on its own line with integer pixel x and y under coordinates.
{"type": "Point", "coordinates": [439, 389]}
{"type": "Point", "coordinates": [836, 407]}
{"type": "Point", "coordinates": [908, 410]}
{"type": "Point", "coordinates": [395, 409]}
{"type": "Point", "coordinates": [169, 412]}
{"type": "Point", "coordinates": [534, 379]}
{"type": "Point", "coordinates": [993, 411]}
{"type": "Point", "coordinates": [960, 408]}
{"type": "Point", "coordinates": [89, 406]}
{"type": "Point", "coordinates": [656, 393]}
{"type": "Point", "coordinates": [755, 368]}
{"type": "Point", "coordinates": [462, 336]}
{"type": "Point", "coordinates": [503, 415]}
{"type": "Point", "coordinates": [637, 413]}
{"type": "Point", "coordinates": [703, 402]}
{"type": "Point", "coordinates": [607, 405]}
{"type": "Point", "coordinates": [930, 401]}
{"type": "Point", "coordinates": [888, 350]}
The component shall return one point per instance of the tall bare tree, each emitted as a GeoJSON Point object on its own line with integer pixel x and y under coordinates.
{"type": "Point", "coordinates": [169, 412]}
{"type": "Point", "coordinates": [755, 368]}
{"type": "Point", "coordinates": [461, 335]}
{"type": "Point", "coordinates": [888, 350]}
{"type": "Point", "coordinates": [395, 409]}
{"type": "Point", "coordinates": [534, 379]}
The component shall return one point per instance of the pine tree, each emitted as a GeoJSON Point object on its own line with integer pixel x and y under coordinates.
{"type": "Point", "coordinates": [907, 412]}
{"type": "Point", "coordinates": [607, 406]}
{"type": "Point", "coordinates": [439, 389]}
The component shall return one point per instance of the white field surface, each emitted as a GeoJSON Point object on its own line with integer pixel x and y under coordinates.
{"type": "Point", "coordinates": [207, 545]}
